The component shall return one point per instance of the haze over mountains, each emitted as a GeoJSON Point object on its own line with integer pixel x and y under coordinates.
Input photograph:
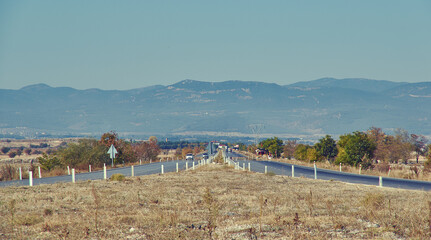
{"type": "Point", "coordinates": [323, 106]}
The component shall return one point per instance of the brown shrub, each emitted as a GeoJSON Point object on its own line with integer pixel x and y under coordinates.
{"type": "Point", "coordinates": [7, 172]}
{"type": "Point", "coordinates": [382, 167]}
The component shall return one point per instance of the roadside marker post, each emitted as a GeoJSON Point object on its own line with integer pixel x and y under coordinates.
{"type": "Point", "coordinates": [380, 181]}
{"type": "Point", "coordinates": [163, 170]}
{"type": "Point", "coordinates": [89, 168]}
{"type": "Point", "coordinates": [360, 168]}
{"type": "Point", "coordinates": [140, 162]}
{"type": "Point", "coordinates": [133, 170]}
{"type": "Point", "coordinates": [340, 167]}
{"type": "Point", "coordinates": [30, 178]}
{"type": "Point", "coordinates": [193, 165]}
{"type": "Point", "coordinates": [104, 171]}
{"type": "Point", "coordinates": [68, 170]}
{"type": "Point", "coordinates": [176, 165]}
{"type": "Point", "coordinates": [187, 165]}
{"type": "Point", "coordinates": [266, 169]}
{"type": "Point", "coordinates": [40, 174]}
{"type": "Point", "coordinates": [73, 175]}
{"type": "Point", "coordinates": [315, 170]}
{"type": "Point", "coordinates": [293, 170]}
{"type": "Point", "coordinates": [243, 166]}
{"type": "Point", "coordinates": [249, 167]}
{"type": "Point", "coordinates": [389, 172]}
{"type": "Point", "coordinates": [20, 173]}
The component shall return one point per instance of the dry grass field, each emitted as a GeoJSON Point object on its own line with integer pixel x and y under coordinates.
{"type": "Point", "coordinates": [213, 202]}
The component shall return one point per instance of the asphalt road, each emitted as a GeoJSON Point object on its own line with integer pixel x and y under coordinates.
{"type": "Point", "coordinates": [139, 170]}
{"type": "Point", "coordinates": [308, 172]}
{"type": "Point", "coordinates": [256, 166]}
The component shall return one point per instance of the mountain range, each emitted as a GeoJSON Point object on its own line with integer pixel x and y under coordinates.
{"type": "Point", "coordinates": [323, 106]}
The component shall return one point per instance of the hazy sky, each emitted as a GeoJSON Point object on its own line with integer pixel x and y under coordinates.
{"type": "Point", "coordinates": [131, 44]}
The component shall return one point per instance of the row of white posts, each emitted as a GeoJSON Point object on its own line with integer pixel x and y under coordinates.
{"type": "Point", "coordinates": [30, 173]}
{"type": "Point", "coordinates": [293, 169]}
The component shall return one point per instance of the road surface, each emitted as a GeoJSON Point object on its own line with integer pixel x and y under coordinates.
{"type": "Point", "coordinates": [280, 168]}
{"type": "Point", "coordinates": [139, 170]}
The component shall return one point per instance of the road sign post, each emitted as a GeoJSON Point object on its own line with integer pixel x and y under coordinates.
{"type": "Point", "coordinates": [112, 151]}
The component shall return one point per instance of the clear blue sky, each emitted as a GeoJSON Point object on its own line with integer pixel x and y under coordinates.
{"type": "Point", "coordinates": [131, 44]}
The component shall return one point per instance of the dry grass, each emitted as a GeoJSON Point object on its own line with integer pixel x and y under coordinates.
{"type": "Point", "coordinates": [213, 202]}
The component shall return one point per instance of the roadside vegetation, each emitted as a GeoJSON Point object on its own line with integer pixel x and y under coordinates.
{"type": "Point", "coordinates": [82, 153]}
{"type": "Point", "coordinates": [373, 152]}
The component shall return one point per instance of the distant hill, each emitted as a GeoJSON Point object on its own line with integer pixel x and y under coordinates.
{"type": "Point", "coordinates": [350, 83]}
{"type": "Point", "coordinates": [323, 106]}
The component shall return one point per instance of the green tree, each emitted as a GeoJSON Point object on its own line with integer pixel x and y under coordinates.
{"type": "Point", "coordinates": [12, 154]}
{"type": "Point", "coordinates": [301, 152]}
{"type": "Point", "coordinates": [48, 162]}
{"type": "Point", "coordinates": [85, 152]}
{"type": "Point", "coordinates": [355, 148]}
{"type": "Point", "coordinates": [5, 149]}
{"type": "Point", "coordinates": [327, 148]}
{"type": "Point", "coordinates": [273, 146]}
{"type": "Point", "coordinates": [313, 155]}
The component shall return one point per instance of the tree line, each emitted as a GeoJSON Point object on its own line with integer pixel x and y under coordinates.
{"type": "Point", "coordinates": [356, 148]}
{"type": "Point", "coordinates": [94, 152]}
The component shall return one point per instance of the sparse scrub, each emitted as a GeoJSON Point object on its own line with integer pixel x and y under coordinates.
{"type": "Point", "coordinates": [47, 212]}
{"type": "Point", "coordinates": [96, 208]}
{"type": "Point", "coordinates": [8, 172]}
{"type": "Point", "coordinates": [213, 212]}
{"type": "Point", "coordinates": [117, 177]}
{"type": "Point", "coordinates": [28, 219]}
{"type": "Point", "coordinates": [12, 209]}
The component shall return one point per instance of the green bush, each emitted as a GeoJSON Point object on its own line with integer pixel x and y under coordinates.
{"type": "Point", "coordinates": [48, 162]}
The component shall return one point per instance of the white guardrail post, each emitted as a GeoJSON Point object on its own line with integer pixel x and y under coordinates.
{"type": "Point", "coordinates": [73, 175]}
{"type": "Point", "coordinates": [104, 171]}
{"type": "Point", "coordinates": [30, 178]}
{"type": "Point", "coordinates": [315, 170]}
{"type": "Point", "coordinates": [293, 170]}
